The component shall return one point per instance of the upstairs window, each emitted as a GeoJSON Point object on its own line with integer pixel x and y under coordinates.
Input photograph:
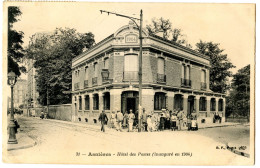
{"type": "Point", "coordinates": [95, 69]}
{"type": "Point", "coordinates": [106, 63]}
{"type": "Point", "coordinates": [203, 76]}
{"type": "Point", "coordinates": [160, 65]}
{"type": "Point", "coordinates": [86, 72]}
{"type": "Point", "coordinates": [131, 63]}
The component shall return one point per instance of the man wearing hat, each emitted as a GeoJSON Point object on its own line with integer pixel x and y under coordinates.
{"type": "Point", "coordinates": [103, 119]}
{"type": "Point", "coordinates": [119, 120]}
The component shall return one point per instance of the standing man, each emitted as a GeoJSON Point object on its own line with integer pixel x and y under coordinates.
{"type": "Point", "coordinates": [103, 119]}
{"type": "Point", "coordinates": [144, 119]}
{"type": "Point", "coordinates": [131, 118]}
{"type": "Point", "coordinates": [119, 120]}
{"type": "Point", "coordinates": [113, 119]}
{"type": "Point", "coordinates": [180, 119]}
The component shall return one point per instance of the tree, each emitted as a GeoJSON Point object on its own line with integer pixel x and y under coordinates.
{"type": "Point", "coordinates": [15, 50]}
{"type": "Point", "coordinates": [239, 98]}
{"type": "Point", "coordinates": [164, 27]}
{"type": "Point", "coordinates": [220, 65]}
{"type": "Point", "coordinates": [52, 54]}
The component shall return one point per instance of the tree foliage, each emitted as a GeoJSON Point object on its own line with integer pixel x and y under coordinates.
{"type": "Point", "coordinates": [52, 54]}
{"type": "Point", "coordinates": [220, 65]}
{"type": "Point", "coordinates": [238, 101]}
{"type": "Point", "coordinates": [164, 27]}
{"type": "Point", "coordinates": [15, 40]}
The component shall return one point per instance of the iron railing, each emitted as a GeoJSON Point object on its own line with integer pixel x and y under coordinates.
{"type": "Point", "coordinates": [94, 81]}
{"type": "Point", "coordinates": [185, 82]}
{"type": "Point", "coordinates": [85, 84]}
{"type": "Point", "coordinates": [76, 86]}
{"type": "Point", "coordinates": [161, 78]}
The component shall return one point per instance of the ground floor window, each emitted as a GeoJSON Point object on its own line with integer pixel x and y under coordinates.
{"type": "Point", "coordinates": [80, 103]}
{"type": "Point", "coordinates": [220, 105]}
{"type": "Point", "coordinates": [213, 104]}
{"type": "Point", "coordinates": [203, 104]}
{"type": "Point", "coordinates": [106, 101]}
{"type": "Point", "coordinates": [178, 102]}
{"type": "Point", "coordinates": [95, 102]}
{"type": "Point", "coordinates": [87, 102]}
{"type": "Point", "coordinates": [159, 101]}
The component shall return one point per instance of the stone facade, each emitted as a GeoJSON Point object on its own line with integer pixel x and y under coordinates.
{"type": "Point", "coordinates": [106, 78]}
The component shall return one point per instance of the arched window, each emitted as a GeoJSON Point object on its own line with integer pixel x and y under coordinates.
{"type": "Point", "coordinates": [106, 102]}
{"type": "Point", "coordinates": [203, 104]}
{"type": "Point", "coordinates": [220, 105]}
{"type": "Point", "coordinates": [87, 102]}
{"type": "Point", "coordinates": [86, 72]}
{"type": "Point", "coordinates": [95, 102]}
{"type": "Point", "coordinates": [80, 103]}
{"type": "Point", "coordinates": [213, 104]}
{"type": "Point", "coordinates": [159, 101]}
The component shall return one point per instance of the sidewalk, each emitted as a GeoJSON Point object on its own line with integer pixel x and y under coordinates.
{"type": "Point", "coordinates": [214, 125]}
{"type": "Point", "coordinates": [24, 141]}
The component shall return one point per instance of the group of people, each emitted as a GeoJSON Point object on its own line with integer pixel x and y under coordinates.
{"type": "Point", "coordinates": [173, 120]}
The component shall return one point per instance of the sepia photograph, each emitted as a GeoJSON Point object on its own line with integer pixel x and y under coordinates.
{"type": "Point", "coordinates": [120, 83]}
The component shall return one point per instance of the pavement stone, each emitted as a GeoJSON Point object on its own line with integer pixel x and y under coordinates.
{"type": "Point", "coordinates": [24, 141]}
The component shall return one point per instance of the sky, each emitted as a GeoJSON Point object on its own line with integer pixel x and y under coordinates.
{"type": "Point", "coordinates": [230, 25]}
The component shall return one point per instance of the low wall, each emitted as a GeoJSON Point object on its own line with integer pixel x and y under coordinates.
{"type": "Point", "coordinates": [58, 112]}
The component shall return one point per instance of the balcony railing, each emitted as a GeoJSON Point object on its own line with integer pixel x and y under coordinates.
{"type": "Point", "coordinates": [161, 78]}
{"type": "Point", "coordinates": [85, 84]}
{"type": "Point", "coordinates": [131, 76]}
{"type": "Point", "coordinates": [203, 86]}
{"type": "Point", "coordinates": [94, 81]}
{"type": "Point", "coordinates": [185, 82]}
{"type": "Point", "coordinates": [76, 86]}
{"type": "Point", "coordinates": [105, 76]}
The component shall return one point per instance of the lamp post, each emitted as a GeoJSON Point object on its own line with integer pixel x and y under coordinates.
{"type": "Point", "coordinates": [140, 57]}
{"type": "Point", "coordinates": [12, 137]}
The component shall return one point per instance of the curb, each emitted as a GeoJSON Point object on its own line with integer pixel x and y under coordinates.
{"type": "Point", "coordinates": [28, 145]}
{"type": "Point", "coordinates": [219, 126]}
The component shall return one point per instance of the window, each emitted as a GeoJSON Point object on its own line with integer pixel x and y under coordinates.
{"type": "Point", "coordinates": [213, 104]}
{"type": "Point", "coordinates": [95, 69]}
{"type": "Point", "coordinates": [106, 101]}
{"type": "Point", "coordinates": [106, 63]}
{"type": "Point", "coordinates": [203, 104]}
{"type": "Point", "coordinates": [131, 63]}
{"type": "Point", "coordinates": [80, 103]}
{"type": "Point", "coordinates": [220, 105]}
{"type": "Point", "coordinates": [203, 76]}
{"type": "Point", "coordinates": [87, 102]}
{"type": "Point", "coordinates": [159, 101]}
{"type": "Point", "coordinates": [95, 102]}
{"type": "Point", "coordinates": [86, 72]}
{"type": "Point", "coordinates": [178, 102]}
{"type": "Point", "coordinates": [160, 66]}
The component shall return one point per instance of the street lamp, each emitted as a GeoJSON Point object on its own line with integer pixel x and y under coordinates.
{"type": "Point", "coordinates": [12, 137]}
{"type": "Point", "coordinates": [140, 57]}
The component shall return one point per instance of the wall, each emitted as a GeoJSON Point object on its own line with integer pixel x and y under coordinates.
{"type": "Point", "coordinates": [60, 112]}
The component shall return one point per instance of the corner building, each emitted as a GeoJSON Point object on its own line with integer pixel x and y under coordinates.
{"type": "Point", "coordinates": [106, 78]}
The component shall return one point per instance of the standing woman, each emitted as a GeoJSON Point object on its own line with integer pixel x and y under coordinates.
{"type": "Point", "coordinates": [125, 122]}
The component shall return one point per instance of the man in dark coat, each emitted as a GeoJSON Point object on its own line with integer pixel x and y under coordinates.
{"type": "Point", "coordinates": [103, 119]}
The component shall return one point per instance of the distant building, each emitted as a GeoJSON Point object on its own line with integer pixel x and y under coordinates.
{"type": "Point", "coordinates": [105, 77]}
{"type": "Point", "coordinates": [32, 94]}
{"type": "Point", "coordinates": [20, 89]}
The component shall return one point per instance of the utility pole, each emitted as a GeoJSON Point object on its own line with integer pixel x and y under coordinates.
{"type": "Point", "coordinates": [140, 57]}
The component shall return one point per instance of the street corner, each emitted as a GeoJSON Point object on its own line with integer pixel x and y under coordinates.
{"type": "Point", "coordinates": [24, 141]}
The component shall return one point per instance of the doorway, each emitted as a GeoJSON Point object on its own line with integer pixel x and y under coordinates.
{"type": "Point", "coordinates": [190, 104]}
{"type": "Point", "coordinates": [131, 104]}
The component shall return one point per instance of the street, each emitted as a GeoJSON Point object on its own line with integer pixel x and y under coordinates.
{"type": "Point", "coordinates": [78, 143]}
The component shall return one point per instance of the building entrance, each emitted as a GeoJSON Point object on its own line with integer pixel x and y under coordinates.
{"type": "Point", "coordinates": [129, 100]}
{"type": "Point", "coordinates": [190, 104]}
{"type": "Point", "coordinates": [131, 104]}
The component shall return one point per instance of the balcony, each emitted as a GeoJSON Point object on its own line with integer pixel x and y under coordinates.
{"type": "Point", "coordinates": [185, 82]}
{"type": "Point", "coordinates": [76, 86]}
{"type": "Point", "coordinates": [105, 76]}
{"type": "Point", "coordinates": [130, 76]}
{"type": "Point", "coordinates": [94, 81]}
{"type": "Point", "coordinates": [203, 86]}
{"type": "Point", "coordinates": [161, 78]}
{"type": "Point", "coordinates": [85, 84]}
